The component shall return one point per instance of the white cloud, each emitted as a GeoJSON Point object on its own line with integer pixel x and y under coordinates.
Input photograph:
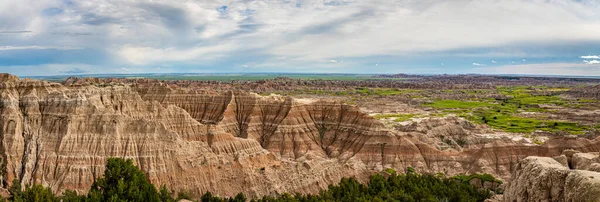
{"type": "Point", "coordinates": [478, 64]}
{"type": "Point", "coordinates": [570, 69]}
{"type": "Point", "coordinates": [590, 57]}
{"type": "Point", "coordinates": [148, 55]}
{"type": "Point", "coordinates": [137, 33]}
{"type": "Point", "coordinates": [54, 69]}
{"type": "Point", "coordinates": [313, 30]}
{"type": "Point", "coordinates": [591, 62]}
{"type": "Point", "coordinates": [379, 33]}
{"type": "Point", "coordinates": [6, 48]}
{"type": "Point", "coordinates": [77, 68]}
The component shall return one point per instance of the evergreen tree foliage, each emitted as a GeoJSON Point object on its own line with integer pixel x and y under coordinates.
{"type": "Point", "coordinates": [123, 181]}
{"type": "Point", "coordinates": [239, 198]}
{"type": "Point", "coordinates": [16, 193]}
{"type": "Point", "coordinates": [37, 193]}
{"type": "Point", "coordinates": [208, 197]}
{"type": "Point", "coordinates": [183, 195]}
{"type": "Point", "coordinates": [166, 195]}
{"type": "Point", "coordinates": [71, 196]}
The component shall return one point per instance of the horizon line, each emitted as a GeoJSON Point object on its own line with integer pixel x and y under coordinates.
{"type": "Point", "coordinates": [308, 73]}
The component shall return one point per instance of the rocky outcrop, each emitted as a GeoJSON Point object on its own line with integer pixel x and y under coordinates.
{"type": "Point", "coordinates": [195, 139]}
{"type": "Point", "coordinates": [284, 126]}
{"type": "Point", "coordinates": [60, 137]}
{"type": "Point", "coordinates": [545, 179]}
{"type": "Point", "coordinates": [584, 161]}
{"type": "Point", "coordinates": [4, 77]}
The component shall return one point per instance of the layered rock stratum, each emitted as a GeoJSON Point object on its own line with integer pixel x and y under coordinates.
{"type": "Point", "coordinates": [547, 179]}
{"type": "Point", "coordinates": [228, 141]}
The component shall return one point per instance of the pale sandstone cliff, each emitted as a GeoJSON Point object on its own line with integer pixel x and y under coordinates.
{"type": "Point", "coordinates": [224, 142]}
{"type": "Point", "coordinates": [545, 179]}
{"type": "Point", "coordinates": [290, 129]}
{"type": "Point", "coordinates": [61, 137]}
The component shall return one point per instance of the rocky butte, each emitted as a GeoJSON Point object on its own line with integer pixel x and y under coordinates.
{"type": "Point", "coordinates": [230, 141]}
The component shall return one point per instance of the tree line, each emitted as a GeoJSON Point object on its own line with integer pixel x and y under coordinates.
{"type": "Point", "coordinates": [123, 181]}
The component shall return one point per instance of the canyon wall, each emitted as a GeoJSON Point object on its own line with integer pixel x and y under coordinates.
{"type": "Point", "coordinates": [60, 137]}
{"type": "Point", "coordinates": [221, 141]}
{"type": "Point", "coordinates": [546, 179]}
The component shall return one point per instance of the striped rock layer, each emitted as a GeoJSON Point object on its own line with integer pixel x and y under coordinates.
{"type": "Point", "coordinates": [224, 142]}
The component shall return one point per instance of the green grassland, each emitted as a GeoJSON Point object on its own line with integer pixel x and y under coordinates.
{"type": "Point", "coordinates": [519, 109]}
{"type": "Point", "coordinates": [506, 114]}
{"type": "Point", "coordinates": [456, 104]}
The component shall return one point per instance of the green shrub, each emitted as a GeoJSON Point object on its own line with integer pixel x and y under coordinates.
{"type": "Point", "coordinates": [165, 194]}
{"type": "Point", "coordinates": [123, 181]}
{"type": "Point", "coordinates": [391, 171]}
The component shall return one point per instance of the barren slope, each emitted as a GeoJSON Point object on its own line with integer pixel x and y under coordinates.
{"type": "Point", "coordinates": [224, 141]}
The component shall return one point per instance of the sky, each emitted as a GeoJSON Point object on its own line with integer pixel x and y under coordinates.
{"type": "Point", "coordinates": [64, 37]}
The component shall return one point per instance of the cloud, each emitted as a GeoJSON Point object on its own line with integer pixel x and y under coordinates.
{"type": "Point", "coordinates": [591, 62]}
{"type": "Point", "coordinates": [378, 33]}
{"type": "Point", "coordinates": [7, 48]}
{"type": "Point", "coordinates": [124, 69]}
{"type": "Point", "coordinates": [590, 57]}
{"type": "Point", "coordinates": [334, 24]}
{"type": "Point", "coordinates": [309, 33]}
{"type": "Point", "coordinates": [53, 69]}
{"type": "Point", "coordinates": [146, 55]}
{"type": "Point", "coordinates": [15, 32]}
{"type": "Point", "coordinates": [72, 33]}
{"type": "Point", "coordinates": [478, 64]}
{"type": "Point", "coordinates": [96, 20]}
{"type": "Point", "coordinates": [52, 11]}
{"type": "Point", "coordinates": [169, 15]}
{"type": "Point", "coordinates": [569, 69]}
{"type": "Point", "coordinates": [222, 9]}
{"type": "Point", "coordinates": [75, 71]}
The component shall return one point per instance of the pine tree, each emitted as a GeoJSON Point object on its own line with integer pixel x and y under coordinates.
{"type": "Point", "coordinates": [166, 195]}
{"type": "Point", "coordinates": [123, 181]}
{"type": "Point", "coordinates": [239, 198]}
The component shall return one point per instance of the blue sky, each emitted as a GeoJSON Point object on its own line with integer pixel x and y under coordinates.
{"type": "Point", "coordinates": [57, 37]}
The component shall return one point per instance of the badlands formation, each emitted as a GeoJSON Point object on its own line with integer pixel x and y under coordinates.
{"type": "Point", "coordinates": [568, 177]}
{"type": "Point", "coordinates": [230, 141]}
